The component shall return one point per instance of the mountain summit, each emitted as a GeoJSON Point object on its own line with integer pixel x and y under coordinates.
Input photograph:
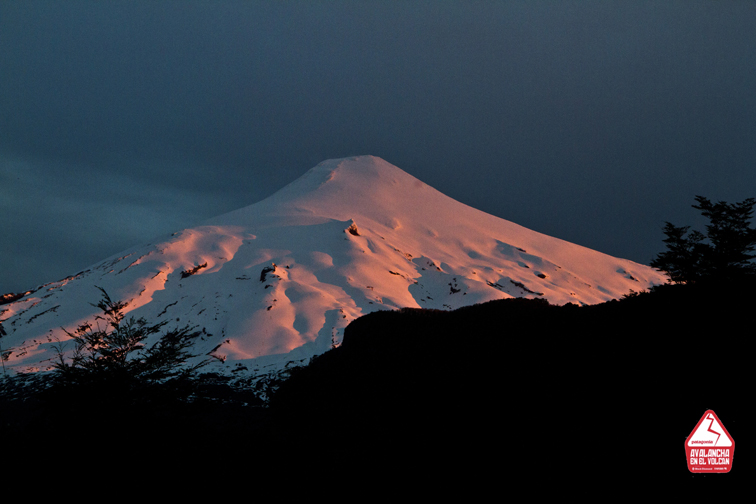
{"type": "Point", "coordinates": [278, 281]}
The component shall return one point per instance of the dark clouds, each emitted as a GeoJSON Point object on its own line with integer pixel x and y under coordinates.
{"type": "Point", "coordinates": [590, 121]}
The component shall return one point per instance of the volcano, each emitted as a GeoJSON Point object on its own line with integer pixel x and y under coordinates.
{"type": "Point", "coordinates": [275, 283]}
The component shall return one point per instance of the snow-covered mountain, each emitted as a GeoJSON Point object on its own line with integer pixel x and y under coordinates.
{"type": "Point", "coordinates": [277, 282]}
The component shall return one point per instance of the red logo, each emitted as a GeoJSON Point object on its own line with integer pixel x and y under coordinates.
{"type": "Point", "coordinates": [709, 448]}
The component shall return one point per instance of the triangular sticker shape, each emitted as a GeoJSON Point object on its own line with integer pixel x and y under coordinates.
{"type": "Point", "coordinates": [709, 448]}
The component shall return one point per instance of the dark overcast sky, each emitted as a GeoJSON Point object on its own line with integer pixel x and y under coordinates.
{"type": "Point", "coordinates": [591, 121]}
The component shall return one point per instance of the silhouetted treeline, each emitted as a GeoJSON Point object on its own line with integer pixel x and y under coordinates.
{"type": "Point", "coordinates": [513, 390]}
{"type": "Point", "coordinates": [724, 253]}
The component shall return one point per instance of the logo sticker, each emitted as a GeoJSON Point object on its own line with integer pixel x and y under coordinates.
{"type": "Point", "coordinates": [709, 448]}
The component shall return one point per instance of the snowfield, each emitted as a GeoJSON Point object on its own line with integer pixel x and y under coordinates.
{"type": "Point", "coordinates": [275, 283]}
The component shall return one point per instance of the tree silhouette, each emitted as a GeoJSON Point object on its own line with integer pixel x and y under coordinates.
{"type": "Point", "coordinates": [725, 253]}
{"type": "Point", "coordinates": [113, 364]}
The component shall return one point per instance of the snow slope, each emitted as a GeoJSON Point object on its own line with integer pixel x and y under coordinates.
{"type": "Point", "coordinates": [277, 282]}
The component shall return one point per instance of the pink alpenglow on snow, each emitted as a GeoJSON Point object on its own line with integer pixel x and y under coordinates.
{"type": "Point", "coordinates": [277, 282]}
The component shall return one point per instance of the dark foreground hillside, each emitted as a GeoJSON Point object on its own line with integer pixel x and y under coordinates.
{"type": "Point", "coordinates": [507, 392]}
{"type": "Point", "coordinates": [517, 389]}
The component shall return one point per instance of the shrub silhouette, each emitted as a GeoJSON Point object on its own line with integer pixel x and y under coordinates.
{"type": "Point", "coordinates": [112, 365]}
{"type": "Point", "coordinates": [724, 253]}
